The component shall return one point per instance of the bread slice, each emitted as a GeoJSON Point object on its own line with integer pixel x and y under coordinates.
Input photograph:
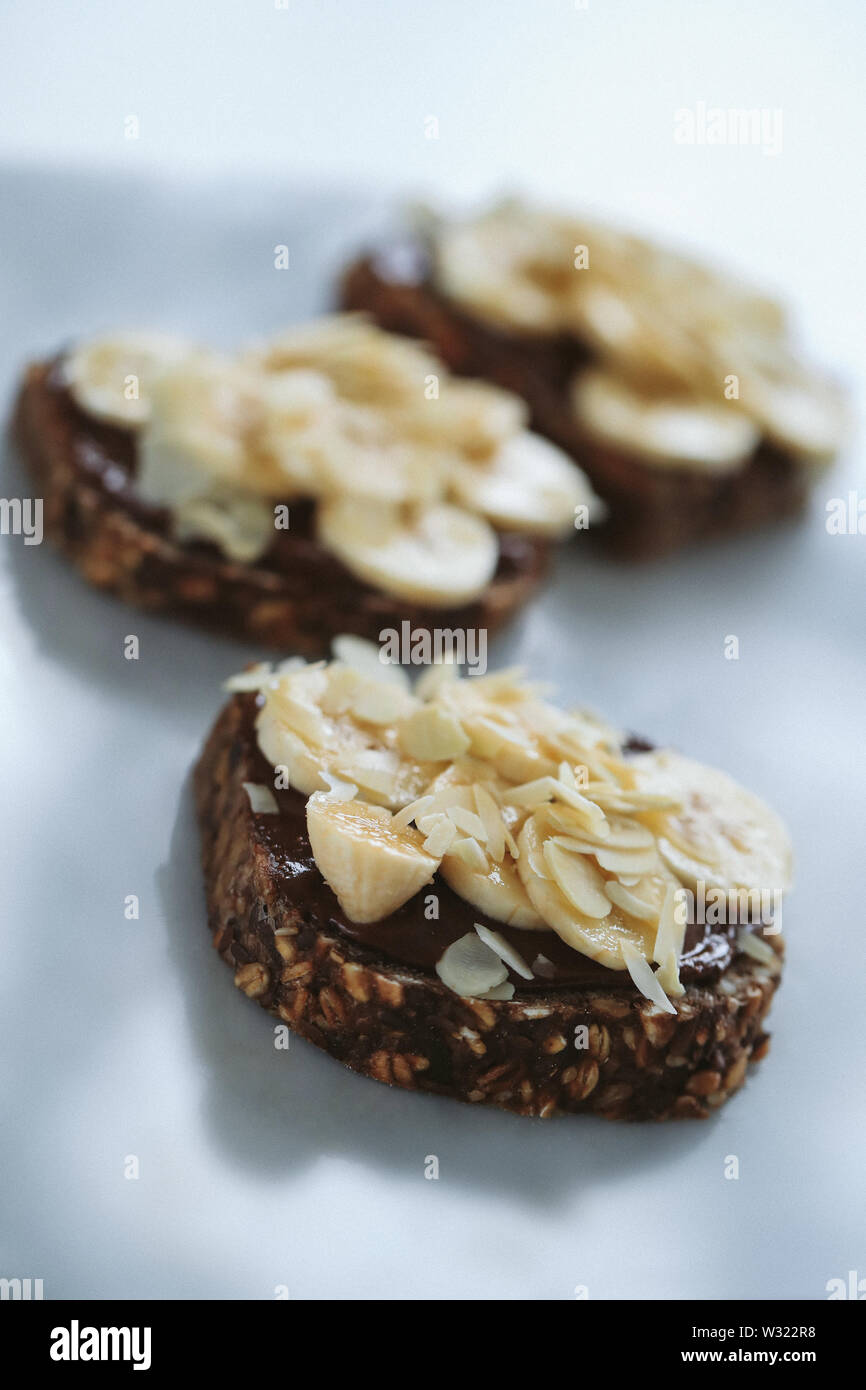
{"type": "Point", "coordinates": [601, 1047]}
{"type": "Point", "coordinates": [297, 598]}
{"type": "Point", "coordinates": [651, 511]}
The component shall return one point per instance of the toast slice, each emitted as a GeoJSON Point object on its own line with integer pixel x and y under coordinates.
{"type": "Point", "coordinates": [593, 1044]}
{"type": "Point", "coordinates": [656, 502]}
{"type": "Point", "coordinates": [295, 598]}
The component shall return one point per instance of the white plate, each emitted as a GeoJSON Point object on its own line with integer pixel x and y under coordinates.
{"type": "Point", "coordinates": [121, 1038]}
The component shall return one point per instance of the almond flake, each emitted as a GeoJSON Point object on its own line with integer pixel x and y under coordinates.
{"type": "Point", "coordinates": [441, 835]}
{"type": "Point", "coordinates": [505, 992]}
{"type": "Point", "coordinates": [643, 977]}
{"type": "Point", "coordinates": [629, 903]}
{"type": "Point", "coordinates": [338, 790]}
{"type": "Point", "coordinates": [578, 879]}
{"type": "Point", "coordinates": [436, 678]}
{"type": "Point", "coordinates": [471, 854]}
{"type": "Point", "coordinates": [671, 930]}
{"type": "Point", "coordinates": [412, 812]}
{"type": "Point", "coordinates": [756, 947]}
{"type": "Point", "coordinates": [468, 822]}
{"type": "Point", "coordinates": [505, 952]}
{"type": "Point", "coordinates": [470, 968]}
{"type": "Point", "coordinates": [366, 657]}
{"type": "Point", "coordinates": [262, 800]}
{"type": "Point", "coordinates": [256, 678]}
{"type": "Point", "coordinates": [543, 967]}
{"type": "Point", "coordinates": [494, 826]}
{"type": "Point", "coordinates": [432, 734]}
{"type": "Point", "coordinates": [625, 861]}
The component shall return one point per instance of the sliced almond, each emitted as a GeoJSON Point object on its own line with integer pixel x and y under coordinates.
{"type": "Point", "coordinates": [630, 903]}
{"type": "Point", "coordinates": [506, 952]}
{"type": "Point", "coordinates": [257, 677]}
{"type": "Point", "coordinates": [433, 734]}
{"type": "Point", "coordinates": [509, 750]}
{"type": "Point", "coordinates": [626, 861]}
{"type": "Point", "coordinates": [688, 868]}
{"type": "Point", "coordinates": [470, 968]}
{"type": "Point", "coordinates": [440, 834]}
{"type": "Point", "coordinates": [505, 991]}
{"type": "Point", "coordinates": [491, 818]}
{"type": "Point", "coordinates": [261, 798]}
{"type": "Point", "coordinates": [412, 811]}
{"type": "Point", "coordinates": [598, 938]}
{"type": "Point", "coordinates": [578, 878]}
{"type": "Point", "coordinates": [366, 657]}
{"type": "Point", "coordinates": [470, 853]}
{"type": "Point", "coordinates": [642, 974]}
{"type": "Point", "coordinates": [468, 822]}
{"type": "Point", "coordinates": [756, 947]}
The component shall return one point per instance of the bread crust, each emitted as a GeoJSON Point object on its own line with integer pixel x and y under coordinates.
{"type": "Point", "coordinates": [118, 550]}
{"type": "Point", "coordinates": [652, 511]}
{"type": "Point", "coordinates": [612, 1053]}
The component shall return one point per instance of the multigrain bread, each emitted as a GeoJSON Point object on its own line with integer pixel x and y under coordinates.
{"type": "Point", "coordinates": [372, 996]}
{"type": "Point", "coordinates": [298, 601]}
{"type": "Point", "coordinates": [316, 485]}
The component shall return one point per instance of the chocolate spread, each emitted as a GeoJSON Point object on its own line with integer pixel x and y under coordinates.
{"type": "Point", "coordinates": [106, 454]}
{"type": "Point", "coordinates": [409, 937]}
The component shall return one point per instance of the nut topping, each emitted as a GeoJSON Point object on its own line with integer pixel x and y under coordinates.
{"type": "Point", "coordinates": [667, 333]}
{"type": "Point", "coordinates": [410, 468]}
{"type": "Point", "coordinates": [404, 784]}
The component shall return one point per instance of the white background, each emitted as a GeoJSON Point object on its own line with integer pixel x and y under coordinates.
{"type": "Point", "coordinates": [259, 1169]}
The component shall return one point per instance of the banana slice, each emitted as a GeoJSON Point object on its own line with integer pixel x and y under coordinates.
{"type": "Point", "coordinates": [485, 877]}
{"type": "Point", "coordinates": [498, 893]}
{"type": "Point", "coordinates": [675, 433]}
{"type": "Point", "coordinates": [598, 937]}
{"type": "Point", "coordinates": [482, 264]}
{"type": "Point", "coordinates": [204, 415]}
{"type": "Point", "coordinates": [471, 417]}
{"type": "Point", "coordinates": [805, 415]}
{"type": "Point", "coordinates": [723, 835]}
{"type": "Point", "coordinates": [112, 378]}
{"type": "Point", "coordinates": [527, 485]}
{"type": "Point", "coordinates": [372, 868]}
{"type": "Point", "coordinates": [438, 555]}
{"type": "Point", "coordinates": [193, 458]}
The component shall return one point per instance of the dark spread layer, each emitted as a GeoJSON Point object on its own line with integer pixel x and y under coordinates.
{"type": "Point", "coordinates": [107, 455]}
{"type": "Point", "coordinates": [407, 936]}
